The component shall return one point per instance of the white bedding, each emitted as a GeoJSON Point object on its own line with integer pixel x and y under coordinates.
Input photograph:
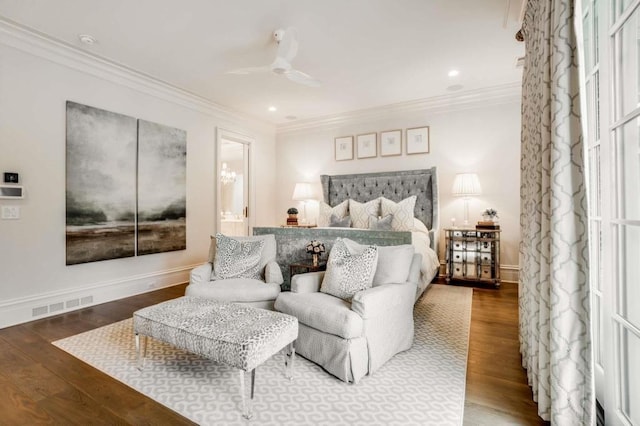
{"type": "Point", "coordinates": [430, 263]}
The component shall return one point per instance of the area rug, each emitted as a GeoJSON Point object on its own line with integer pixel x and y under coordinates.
{"type": "Point", "coordinates": [422, 386]}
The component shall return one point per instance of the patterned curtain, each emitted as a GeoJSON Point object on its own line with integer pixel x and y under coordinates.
{"type": "Point", "coordinates": [555, 338]}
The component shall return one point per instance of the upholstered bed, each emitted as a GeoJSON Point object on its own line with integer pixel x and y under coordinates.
{"type": "Point", "coordinates": [394, 186]}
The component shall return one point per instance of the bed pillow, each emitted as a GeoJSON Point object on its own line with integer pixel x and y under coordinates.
{"type": "Point", "coordinates": [237, 259]}
{"type": "Point", "coordinates": [326, 211]}
{"type": "Point", "coordinates": [381, 224]}
{"type": "Point", "coordinates": [402, 213]}
{"type": "Point", "coordinates": [362, 212]}
{"type": "Point", "coordinates": [394, 262]}
{"type": "Point", "coordinates": [349, 273]}
{"type": "Point", "coordinates": [339, 222]}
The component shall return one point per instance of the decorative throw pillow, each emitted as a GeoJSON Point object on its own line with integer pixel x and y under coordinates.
{"type": "Point", "coordinates": [381, 224]}
{"type": "Point", "coordinates": [361, 213]}
{"type": "Point", "coordinates": [237, 259]}
{"type": "Point", "coordinates": [339, 222]}
{"type": "Point", "coordinates": [394, 262]}
{"type": "Point", "coordinates": [402, 213]}
{"type": "Point", "coordinates": [326, 211]}
{"type": "Point", "coordinates": [348, 274]}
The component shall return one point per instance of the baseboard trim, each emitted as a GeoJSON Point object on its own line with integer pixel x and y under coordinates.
{"type": "Point", "coordinates": [25, 309]}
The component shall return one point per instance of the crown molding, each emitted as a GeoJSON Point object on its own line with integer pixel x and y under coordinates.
{"type": "Point", "coordinates": [495, 95]}
{"type": "Point", "coordinates": [36, 43]}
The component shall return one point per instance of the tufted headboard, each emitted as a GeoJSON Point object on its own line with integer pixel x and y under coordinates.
{"type": "Point", "coordinates": [395, 186]}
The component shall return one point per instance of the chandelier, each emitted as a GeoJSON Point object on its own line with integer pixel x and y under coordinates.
{"type": "Point", "coordinates": [226, 175]}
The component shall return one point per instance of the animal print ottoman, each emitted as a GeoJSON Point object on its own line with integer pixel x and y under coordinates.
{"type": "Point", "coordinates": [236, 335]}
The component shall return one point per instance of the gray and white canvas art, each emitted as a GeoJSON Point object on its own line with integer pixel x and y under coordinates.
{"type": "Point", "coordinates": [162, 169]}
{"type": "Point", "coordinates": [101, 184]}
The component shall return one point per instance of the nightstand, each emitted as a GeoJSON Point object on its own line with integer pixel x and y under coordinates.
{"type": "Point", "coordinates": [306, 267]}
{"type": "Point", "coordinates": [473, 255]}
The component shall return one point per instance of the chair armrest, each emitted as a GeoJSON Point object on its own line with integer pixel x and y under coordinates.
{"type": "Point", "coordinates": [201, 274]}
{"type": "Point", "coordinates": [272, 273]}
{"type": "Point", "coordinates": [307, 283]}
{"type": "Point", "coordinates": [374, 302]}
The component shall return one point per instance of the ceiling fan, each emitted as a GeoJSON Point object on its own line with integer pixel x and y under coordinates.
{"type": "Point", "coordinates": [287, 50]}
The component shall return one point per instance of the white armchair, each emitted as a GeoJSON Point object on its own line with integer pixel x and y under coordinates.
{"type": "Point", "coordinates": [247, 291]}
{"type": "Point", "coordinates": [350, 340]}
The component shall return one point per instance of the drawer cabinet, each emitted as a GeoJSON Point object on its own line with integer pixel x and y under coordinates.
{"type": "Point", "coordinates": [473, 255]}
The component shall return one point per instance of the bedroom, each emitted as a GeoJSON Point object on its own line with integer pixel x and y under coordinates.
{"type": "Point", "coordinates": [476, 129]}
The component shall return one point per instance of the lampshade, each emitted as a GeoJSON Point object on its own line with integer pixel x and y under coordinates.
{"type": "Point", "coordinates": [303, 192]}
{"type": "Point", "coordinates": [466, 184]}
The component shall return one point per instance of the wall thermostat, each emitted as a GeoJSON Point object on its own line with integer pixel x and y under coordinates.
{"type": "Point", "coordinates": [10, 177]}
{"type": "Point", "coordinates": [11, 191]}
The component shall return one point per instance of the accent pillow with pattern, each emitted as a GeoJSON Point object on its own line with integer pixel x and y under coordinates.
{"type": "Point", "coordinates": [348, 274]}
{"type": "Point", "coordinates": [403, 213]}
{"type": "Point", "coordinates": [362, 212]}
{"type": "Point", "coordinates": [237, 259]}
{"type": "Point", "coordinates": [326, 211]}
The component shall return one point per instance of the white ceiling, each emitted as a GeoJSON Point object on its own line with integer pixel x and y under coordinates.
{"type": "Point", "coordinates": [367, 53]}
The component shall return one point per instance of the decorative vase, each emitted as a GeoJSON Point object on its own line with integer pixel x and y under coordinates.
{"type": "Point", "coordinates": [315, 259]}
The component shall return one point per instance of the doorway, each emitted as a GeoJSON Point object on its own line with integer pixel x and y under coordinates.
{"type": "Point", "coordinates": [233, 183]}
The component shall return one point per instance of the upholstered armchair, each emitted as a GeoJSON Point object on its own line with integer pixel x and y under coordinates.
{"type": "Point", "coordinates": [259, 293]}
{"type": "Point", "coordinates": [350, 339]}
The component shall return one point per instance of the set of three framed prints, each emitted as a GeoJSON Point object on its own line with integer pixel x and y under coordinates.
{"type": "Point", "coordinates": [366, 145]}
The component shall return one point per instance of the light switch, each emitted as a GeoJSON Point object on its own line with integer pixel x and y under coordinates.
{"type": "Point", "coordinates": [10, 212]}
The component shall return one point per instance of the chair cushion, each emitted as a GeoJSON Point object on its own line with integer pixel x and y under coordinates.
{"type": "Point", "coordinates": [237, 259]}
{"type": "Point", "coordinates": [323, 312]}
{"type": "Point", "coordinates": [235, 290]}
{"type": "Point", "coordinates": [394, 262]}
{"type": "Point", "coordinates": [349, 273]}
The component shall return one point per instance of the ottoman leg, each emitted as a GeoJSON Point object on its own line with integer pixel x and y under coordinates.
{"type": "Point", "coordinates": [289, 357]}
{"type": "Point", "coordinates": [141, 350]}
{"type": "Point", "coordinates": [246, 405]}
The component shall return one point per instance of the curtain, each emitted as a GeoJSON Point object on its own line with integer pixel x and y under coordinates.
{"type": "Point", "coordinates": [555, 337]}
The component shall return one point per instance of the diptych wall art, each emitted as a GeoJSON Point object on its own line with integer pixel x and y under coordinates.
{"type": "Point", "coordinates": [125, 186]}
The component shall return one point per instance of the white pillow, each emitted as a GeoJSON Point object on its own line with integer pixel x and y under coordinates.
{"type": "Point", "coordinates": [348, 274]}
{"type": "Point", "coordinates": [402, 212]}
{"type": "Point", "coordinates": [394, 262]}
{"type": "Point", "coordinates": [340, 211]}
{"type": "Point", "coordinates": [361, 212]}
{"type": "Point", "coordinates": [237, 259]}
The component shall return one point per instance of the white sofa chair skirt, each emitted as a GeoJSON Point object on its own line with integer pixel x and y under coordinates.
{"type": "Point", "coordinates": [246, 291]}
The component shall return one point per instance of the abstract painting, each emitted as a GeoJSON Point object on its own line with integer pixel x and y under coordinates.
{"type": "Point", "coordinates": [162, 206]}
{"type": "Point", "coordinates": [101, 190]}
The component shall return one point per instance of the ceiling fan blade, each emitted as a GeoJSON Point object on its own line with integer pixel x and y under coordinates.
{"type": "Point", "coordinates": [288, 46]}
{"type": "Point", "coordinates": [250, 70]}
{"type": "Point", "coordinates": [302, 78]}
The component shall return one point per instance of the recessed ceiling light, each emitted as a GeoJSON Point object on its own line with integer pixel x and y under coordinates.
{"type": "Point", "coordinates": [272, 108]}
{"type": "Point", "coordinates": [87, 39]}
{"type": "Point", "coordinates": [453, 73]}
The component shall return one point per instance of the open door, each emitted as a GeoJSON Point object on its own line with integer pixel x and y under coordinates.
{"type": "Point", "coordinates": [233, 184]}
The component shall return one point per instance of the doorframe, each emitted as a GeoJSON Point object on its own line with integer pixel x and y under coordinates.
{"type": "Point", "coordinates": [248, 141]}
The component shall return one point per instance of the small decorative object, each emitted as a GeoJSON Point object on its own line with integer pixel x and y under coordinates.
{"type": "Point", "coordinates": [489, 219]}
{"type": "Point", "coordinates": [292, 219]}
{"type": "Point", "coordinates": [418, 140]}
{"type": "Point", "coordinates": [344, 148]}
{"type": "Point", "coordinates": [315, 248]}
{"type": "Point", "coordinates": [391, 142]}
{"type": "Point", "coordinates": [367, 145]}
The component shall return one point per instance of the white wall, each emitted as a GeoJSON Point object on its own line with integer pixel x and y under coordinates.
{"type": "Point", "coordinates": [36, 78]}
{"type": "Point", "coordinates": [484, 139]}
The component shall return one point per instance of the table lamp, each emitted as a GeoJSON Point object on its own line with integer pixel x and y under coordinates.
{"type": "Point", "coordinates": [466, 185]}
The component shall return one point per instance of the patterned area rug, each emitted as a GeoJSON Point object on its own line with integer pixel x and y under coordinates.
{"type": "Point", "coordinates": [422, 386]}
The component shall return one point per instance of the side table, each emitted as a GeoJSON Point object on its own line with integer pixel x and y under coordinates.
{"type": "Point", "coordinates": [306, 267]}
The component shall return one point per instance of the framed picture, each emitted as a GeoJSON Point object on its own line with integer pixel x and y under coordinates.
{"type": "Point", "coordinates": [367, 145]}
{"type": "Point", "coordinates": [344, 148]}
{"type": "Point", "coordinates": [391, 142]}
{"type": "Point", "coordinates": [418, 140]}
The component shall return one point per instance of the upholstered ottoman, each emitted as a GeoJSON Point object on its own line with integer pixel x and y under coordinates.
{"type": "Point", "coordinates": [236, 335]}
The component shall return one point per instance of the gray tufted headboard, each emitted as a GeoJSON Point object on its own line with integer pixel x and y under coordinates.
{"type": "Point", "coordinates": [395, 186]}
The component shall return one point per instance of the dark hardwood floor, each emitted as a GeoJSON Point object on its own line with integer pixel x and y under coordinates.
{"type": "Point", "coordinates": [42, 384]}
